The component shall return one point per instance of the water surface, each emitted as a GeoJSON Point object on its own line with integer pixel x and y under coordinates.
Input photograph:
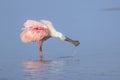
{"type": "Point", "coordinates": [83, 67]}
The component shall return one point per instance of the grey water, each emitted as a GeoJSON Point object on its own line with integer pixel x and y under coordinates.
{"type": "Point", "coordinates": [104, 66]}
{"type": "Point", "coordinates": [95, 23]}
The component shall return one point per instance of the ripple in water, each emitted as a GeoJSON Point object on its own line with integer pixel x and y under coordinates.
{"type": "Point", "coordinates": [49, 70]}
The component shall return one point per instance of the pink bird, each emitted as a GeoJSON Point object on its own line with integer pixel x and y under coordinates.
{"type": "Point", "coordinates": [39, 31]}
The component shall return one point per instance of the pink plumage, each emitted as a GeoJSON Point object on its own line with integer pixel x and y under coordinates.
{"type": "Point", "coordinates": [34, 31]}
{"type": "Point", "coordinates": [39, 31]}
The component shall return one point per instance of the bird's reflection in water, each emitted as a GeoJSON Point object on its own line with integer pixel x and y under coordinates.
{"type": "Point", "coordinates": [40, 70]}
{"type": "Point", "coordinates": [48, 70]}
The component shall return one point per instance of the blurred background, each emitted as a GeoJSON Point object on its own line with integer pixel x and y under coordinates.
{"type": "Point", "coordinates": [95, 24]}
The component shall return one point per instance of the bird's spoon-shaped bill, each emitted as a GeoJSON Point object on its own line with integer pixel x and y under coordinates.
{"type": "Point", "coordinates": [74, 42]}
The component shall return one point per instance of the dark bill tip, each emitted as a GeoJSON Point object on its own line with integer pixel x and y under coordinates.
{"type": "Point", "coordinates": [75, 43]}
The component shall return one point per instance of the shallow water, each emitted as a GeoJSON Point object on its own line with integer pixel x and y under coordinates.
{"type": "Point", "coordinates": [86, 67]}
{"type": "Point", "coordinates": [95, 23]}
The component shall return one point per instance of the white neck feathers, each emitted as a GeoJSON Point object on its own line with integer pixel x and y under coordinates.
{"type": "Point", "coordinates": [53, 32]}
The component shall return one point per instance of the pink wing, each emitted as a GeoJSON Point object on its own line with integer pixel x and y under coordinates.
{"type": "Point", "coordinates": [34, 31]}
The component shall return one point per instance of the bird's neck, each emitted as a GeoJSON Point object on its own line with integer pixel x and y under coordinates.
{"type": "Point", "coordinates": [59, 35]}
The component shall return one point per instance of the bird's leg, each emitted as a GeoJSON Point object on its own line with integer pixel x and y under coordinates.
{"type": "Point", "coordinates": [74, 42]}
{"type": "Point", "coordinates": [40, 49]}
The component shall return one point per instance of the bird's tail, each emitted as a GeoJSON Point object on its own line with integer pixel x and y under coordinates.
{"type": "Point", "coordinates": [74, 42]}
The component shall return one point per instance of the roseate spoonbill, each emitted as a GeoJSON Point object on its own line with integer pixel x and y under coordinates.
{"type": "Point", "coordinates": [39, 31]}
